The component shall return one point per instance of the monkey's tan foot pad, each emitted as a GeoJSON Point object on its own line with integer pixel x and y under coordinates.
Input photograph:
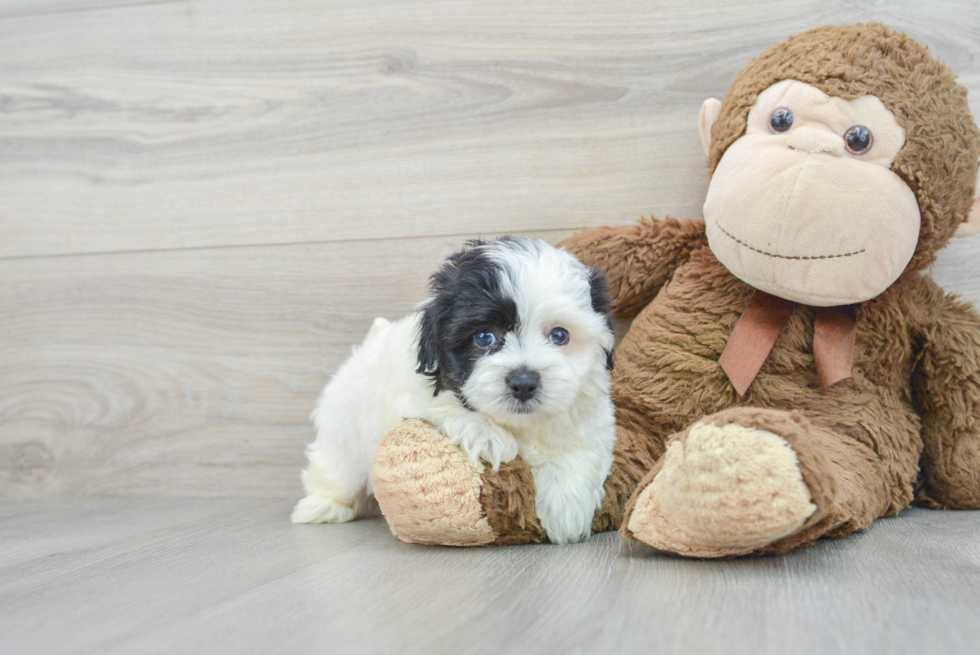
{"type": "Point", "coordinates": [721, 489]}
{"type": "Point", "coordinates": [428, 491]}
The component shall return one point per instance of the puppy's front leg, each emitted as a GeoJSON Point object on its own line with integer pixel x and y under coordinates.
{"type": "Point", "coordinates": [480, 438]}
{"type": "Point", "coordinates": [568, 491]}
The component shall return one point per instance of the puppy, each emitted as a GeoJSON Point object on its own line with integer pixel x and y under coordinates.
{"type": "Point", "coordinates": [510, 355]}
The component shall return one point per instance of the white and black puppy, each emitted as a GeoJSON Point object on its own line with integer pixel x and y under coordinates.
{"type": "Point", "coordinates": [509, 355]}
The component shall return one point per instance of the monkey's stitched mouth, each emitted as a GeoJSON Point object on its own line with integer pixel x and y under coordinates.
{"type": "Point", "coordinates": [778, 256]}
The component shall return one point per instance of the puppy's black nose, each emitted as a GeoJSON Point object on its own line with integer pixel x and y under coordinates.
{"type": "Point", "coordinates": [523, 383]}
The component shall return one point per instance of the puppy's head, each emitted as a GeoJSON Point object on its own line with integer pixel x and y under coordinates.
{"type": "Point", "coordinates": [517, 329]}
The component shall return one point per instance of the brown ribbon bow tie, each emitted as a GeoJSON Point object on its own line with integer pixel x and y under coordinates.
{"type": "Point", "coordinates": [761, 323]}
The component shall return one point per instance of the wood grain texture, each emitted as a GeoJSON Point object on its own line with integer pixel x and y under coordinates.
{"type": "Point", "coordinates": [228, 122]}
{"type": "Point", "coordinates": [218, 576]}
{"type": "Point", "coordinates": [186, 372]}
{"type": "Point", "coordinates": [204, 203]}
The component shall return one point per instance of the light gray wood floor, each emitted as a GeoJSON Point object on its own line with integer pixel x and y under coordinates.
{"type": "Point", "coordinates": [234, 576]}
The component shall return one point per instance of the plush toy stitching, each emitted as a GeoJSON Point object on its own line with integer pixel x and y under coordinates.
{"type": "Point", "coordinates": [772, 254]}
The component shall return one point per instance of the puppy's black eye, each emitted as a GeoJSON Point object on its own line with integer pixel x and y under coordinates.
{"type": "Point", "coordinates": [781, 120]}
{"type": "Point", "coordinates": [559, 336]}
{"type": "Point", "coordinates": [858, 139]}
{"type": "Point", "coordinates": [484, 339]}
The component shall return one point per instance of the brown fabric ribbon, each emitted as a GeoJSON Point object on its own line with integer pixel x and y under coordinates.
{"type": "Point", "coordinates": [760, 325]}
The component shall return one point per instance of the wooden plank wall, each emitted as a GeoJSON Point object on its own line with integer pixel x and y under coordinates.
{"type": "Point", "coordinates": [204, 203]}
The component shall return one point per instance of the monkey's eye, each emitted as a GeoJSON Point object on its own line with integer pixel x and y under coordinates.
{"type": "Point", "coordinates": [858, 139]}
{"type": "Point", "coordinates": [781, 120]}
{"type": "Point", "coordinates": [484, 339]}
{"type": "Point", "coordinates": [559, 336]}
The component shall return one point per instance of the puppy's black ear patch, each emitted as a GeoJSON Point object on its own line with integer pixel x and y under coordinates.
{"type": "Point", "coordinates": [438, 312]}
{"type": "Point", "coordinates": [428, 346]}
{"type": "Point", "coordinates": [602, 304]}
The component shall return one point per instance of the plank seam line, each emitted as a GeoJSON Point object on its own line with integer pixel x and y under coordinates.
{"type": "Point", "coordinates": [80, 10]}
{"type": "Point", "coordinates": [408, 237]}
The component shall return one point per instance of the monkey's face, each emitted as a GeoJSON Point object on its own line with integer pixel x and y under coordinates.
{"type": "Point", "coordinates": [804, 205]}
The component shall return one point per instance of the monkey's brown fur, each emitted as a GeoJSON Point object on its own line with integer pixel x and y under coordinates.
{"type": "Point", "coordinates": [906, 424]}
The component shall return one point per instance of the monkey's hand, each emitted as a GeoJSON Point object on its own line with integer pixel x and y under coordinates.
{"type": "Point", "coordinates": [637, 259]}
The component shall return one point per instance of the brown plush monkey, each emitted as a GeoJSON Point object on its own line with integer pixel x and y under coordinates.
{"type": "Point", "coordinates": [790, 373]}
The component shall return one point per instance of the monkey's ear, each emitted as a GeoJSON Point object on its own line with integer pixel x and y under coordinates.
{"type": "Point", "coordinates": [971, 225]}
{"type": "Point", "coordinates": [709, 114]}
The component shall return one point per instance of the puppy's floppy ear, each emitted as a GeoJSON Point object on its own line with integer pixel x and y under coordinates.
{"type": "Point", "coordinates": [602, 304]}
{"type": "Point", "coordinates": [440, 284]}
{"type": "Point", "coordinates": [428, 345]}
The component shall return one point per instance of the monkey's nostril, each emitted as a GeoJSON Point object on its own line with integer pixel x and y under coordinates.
{"type": "Point", "coordinates": [523, 383]}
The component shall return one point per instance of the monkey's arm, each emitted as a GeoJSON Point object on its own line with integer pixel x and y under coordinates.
{"type": "Point", "coordinates": [946, 388]}
{"type": "Point", "coordinates": [637, 259]}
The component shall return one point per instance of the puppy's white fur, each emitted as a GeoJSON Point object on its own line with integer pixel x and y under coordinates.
{"type": "Point", "coordinates": [566, 440]}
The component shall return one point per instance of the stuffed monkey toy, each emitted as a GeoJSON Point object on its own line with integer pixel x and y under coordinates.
{"type": "Point", "coordinates": [790, 372]}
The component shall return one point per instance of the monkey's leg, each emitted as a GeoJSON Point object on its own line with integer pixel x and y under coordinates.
{"type": "Point", "coordinates": [749, 480]}
{"type": "Point", "coordinates": [430, 493]}
{"type": "Point", "coordinates": [951, 468]}
{"type": "Point", "coordinates": [946, 388]}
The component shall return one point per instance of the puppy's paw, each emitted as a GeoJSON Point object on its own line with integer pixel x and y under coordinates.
{"type": "Point", "coordinates": [561, 530]}
{"type": "Point", "coordinates": [482, 439]}
{"type": "Point", "coordinates": [321, 509]}
{"type": "Point", "coordinates": [565, 521]}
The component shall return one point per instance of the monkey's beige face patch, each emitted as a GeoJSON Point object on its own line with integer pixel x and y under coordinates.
{"type": "Point", "coordinates": [804, 205]}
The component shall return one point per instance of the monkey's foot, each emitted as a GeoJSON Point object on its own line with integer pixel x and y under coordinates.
{"type": "Point", "coordinates": [431, 493]}
{"type": "Point", "coordinates": [731, 484]}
